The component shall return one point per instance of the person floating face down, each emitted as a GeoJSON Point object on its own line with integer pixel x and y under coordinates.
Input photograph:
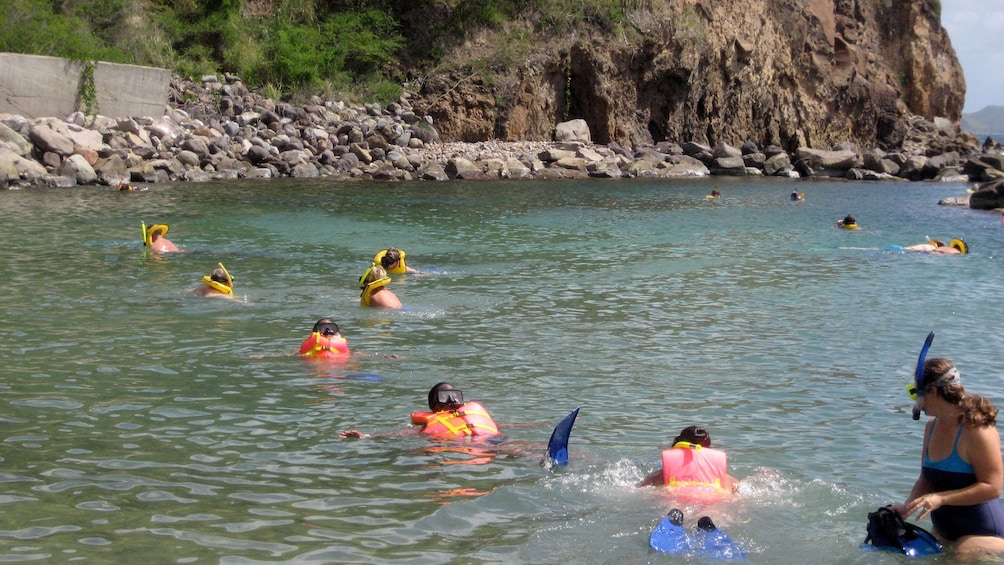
{"type": "Point", "coordinates": [693, 468]}
{"type": "Point", "coordinates": [217, 284]}
{"type": "Point", "coordinates": [325, 342]}
{"type": "Point", "coordinates": [955, 247]}
{"type": "Point", "coordinates": [450, 417]}
{"type": "Point", "coordinates": [375, 293]}
{"type": "Point", "coordinates": [153, 237]}
{"type": "Point", "coordinates": [392, 260]}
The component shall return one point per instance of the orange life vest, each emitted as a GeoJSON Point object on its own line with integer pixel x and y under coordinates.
{"type": "Point", "coordinates": [696, 472]}
{"type": "Point", "coordinates": [326, 347]}
{"type": "Point", "coordinates": [471, 419]}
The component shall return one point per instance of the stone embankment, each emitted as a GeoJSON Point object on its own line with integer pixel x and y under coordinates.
{"type": "Point", "coordinates": [216, 130]}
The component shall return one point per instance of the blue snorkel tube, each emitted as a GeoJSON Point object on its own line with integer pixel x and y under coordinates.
{"type": "Point", "coordinates": [918, 376]}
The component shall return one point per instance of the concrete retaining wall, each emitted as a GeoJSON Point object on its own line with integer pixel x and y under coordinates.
{"type": "Point", "coordinates": [34, 86]}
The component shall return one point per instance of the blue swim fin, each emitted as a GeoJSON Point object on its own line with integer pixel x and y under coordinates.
{"type": "Point", "coordinates": [557, 446]}
{"type": "Point", "coordinates": [918, 542]}
{"type": "Point", "coordinates": [716, 544]}
{"type": "Point", "coordinates": [669, 535]}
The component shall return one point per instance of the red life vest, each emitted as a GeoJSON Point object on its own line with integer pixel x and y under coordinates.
{"type": "Point", "coordinates": [471, 419]}
{"type": "Point", "coordinates": [325, 347]}
{"type": "Point", "coordinates": [696, 472]}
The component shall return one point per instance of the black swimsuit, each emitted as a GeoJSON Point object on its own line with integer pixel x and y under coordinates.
{"type": "Point", "coordinates": [952, 473]}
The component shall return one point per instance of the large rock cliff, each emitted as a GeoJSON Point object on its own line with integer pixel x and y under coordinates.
{"type": "Point", "coordinates": [791, 73]}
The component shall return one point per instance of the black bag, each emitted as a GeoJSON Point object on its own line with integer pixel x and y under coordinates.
{"type": "Point", "coordinates": [887, 530]}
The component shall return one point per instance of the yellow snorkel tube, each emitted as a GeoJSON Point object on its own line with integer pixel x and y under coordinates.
{"type": "Point", "coordinates": [225, 288]}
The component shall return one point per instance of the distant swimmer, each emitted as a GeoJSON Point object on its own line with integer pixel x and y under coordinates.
{"type": "Point", "coordinates": [375, 293]}
{"type": "Point", "coordinates": [848, 223]}
{"type": "Point", "coordinates": [154, 238]}
{"type": "Point", "coordinates": [393, 260]}
{"type": "Point", "coordinates": [715, 193]}
{"type": "Point", "coordinates": [217, 284]}
{"type": "Point", "coordinates": [126, 187]}
{"type": "Point", "coordinates": [449, 417]}
{"type": "Point", "coordinates": [954, 247]}
{"type": "Point", "coordinates": [453, 420]}
{"type": "Point", "coordinates": [795, 196]}
{"type": "Point", "coordinates": [325, 342]}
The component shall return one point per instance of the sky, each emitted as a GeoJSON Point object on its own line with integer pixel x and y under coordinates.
{"type": "Point", "coordinates": [976, 28]}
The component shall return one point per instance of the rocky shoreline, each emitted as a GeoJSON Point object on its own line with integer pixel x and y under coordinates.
{"type": "Point", "coordinates": [219, 130]}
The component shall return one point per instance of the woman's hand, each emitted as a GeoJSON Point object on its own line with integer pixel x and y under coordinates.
{"type": "Point", "coordinates": [924, 504]}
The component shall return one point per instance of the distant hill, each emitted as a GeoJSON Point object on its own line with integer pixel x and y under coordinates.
{"type": "Point", "coordinates": [987, 122]}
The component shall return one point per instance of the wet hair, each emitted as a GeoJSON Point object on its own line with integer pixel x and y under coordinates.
{"type": "Point", "coordinates": [976, 410]}
{"type": "Point", "coordinates": [325, 327]}
{"type": "Point", "coordinates": [391, 256]}
{"type": "Point", "coordinates": [434, 404]}
{"type": "Point", "coordinates": [694, 434]}
{"type": "Point", "coordinates": [219, 275]}
{"type": "Point", "coordinates": [849, 219]}
{"type": "Point", "coordinates": [376, 273]}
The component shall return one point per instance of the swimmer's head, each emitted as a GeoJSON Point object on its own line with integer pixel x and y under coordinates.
{"type": "Point", "coordinates": [326, 327]}
{"type": "Point", "coordinates": [375, 273]}
{"type": "Point", "coordinates": [158, 230]}
{"type": "Point", "coordinates": [443, 396]}
{"type": "Point", "coordinates": [392, 256]}
{"type": "Point", "coordinates": [220, 276]}
{"type": "Point", "coordinates": [695, 435]}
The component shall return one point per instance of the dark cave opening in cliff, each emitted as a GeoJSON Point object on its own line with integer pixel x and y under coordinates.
{"type": "Point", "coordinates": [582, 102]}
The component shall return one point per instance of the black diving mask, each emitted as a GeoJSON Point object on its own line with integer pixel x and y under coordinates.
{"type": "Point", "coordinates": [451, 398]}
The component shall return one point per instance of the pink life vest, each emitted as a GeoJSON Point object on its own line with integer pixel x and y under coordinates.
{"type": "Point", "coordinates": [696, 473]}
{"type": "Point", "coordinates": [324, 347]}
{"type": "Point", "coordinates": [471, 419]}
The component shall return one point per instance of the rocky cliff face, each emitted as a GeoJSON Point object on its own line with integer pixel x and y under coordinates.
{"type": "Point", "coordinates": [791, 73]}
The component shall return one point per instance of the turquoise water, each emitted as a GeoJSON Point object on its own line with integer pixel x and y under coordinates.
{"type": "Point", "coordinates": [140, 420]}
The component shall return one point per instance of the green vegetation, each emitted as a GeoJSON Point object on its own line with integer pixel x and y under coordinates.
{"type": "Point", "coordinates": [353, 47]}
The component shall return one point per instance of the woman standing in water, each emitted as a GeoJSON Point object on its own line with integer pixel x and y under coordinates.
{"type": "Point", "coordinates": [961, 471]}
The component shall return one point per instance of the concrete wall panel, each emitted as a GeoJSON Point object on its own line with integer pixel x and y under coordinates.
{"type": "Point", "coordinates": [35, 86]}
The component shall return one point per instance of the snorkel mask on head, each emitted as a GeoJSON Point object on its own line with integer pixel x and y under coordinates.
{"type": "Point", "coordinates": [918, 387]}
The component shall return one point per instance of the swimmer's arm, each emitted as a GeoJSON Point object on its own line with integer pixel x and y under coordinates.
{"type": "Point", "coordinates": [356, 434]}
{"type": "Point", "coordinates": [654, 479]}
{"type": "Point", "coordinates": [385, 356]}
